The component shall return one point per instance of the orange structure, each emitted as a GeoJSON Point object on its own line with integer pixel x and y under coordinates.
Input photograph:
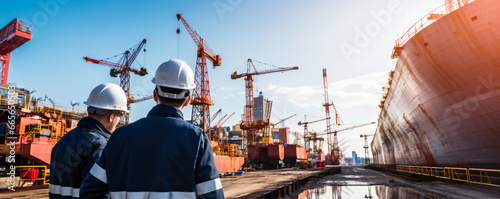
{"type": "Point", "coordinates": [13, 35]}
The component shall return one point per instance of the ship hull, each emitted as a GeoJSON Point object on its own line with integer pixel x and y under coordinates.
{"type": "Point", "coordinates": [443, 105]}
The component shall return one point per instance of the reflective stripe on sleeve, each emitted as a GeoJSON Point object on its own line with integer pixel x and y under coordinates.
{"type": "Point", "coordinates": [208, 186]}
{"type": "Point", "coordinates": [64, 191]}
{"type": "Point", "coordinates": [162, 195]}
{"type": "Point", "coordinates": [99, 173]}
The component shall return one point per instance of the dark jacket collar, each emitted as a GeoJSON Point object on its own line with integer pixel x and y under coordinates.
{"type": "Point", "coordinates": [166, 111]}
{"type": "Point", "coordinates": [93, 124]}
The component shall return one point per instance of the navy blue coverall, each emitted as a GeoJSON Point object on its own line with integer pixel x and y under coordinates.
{"type": "Point", "coordinates": [73, 157]}
{"type": "Point", "coordinates": [159, 156]}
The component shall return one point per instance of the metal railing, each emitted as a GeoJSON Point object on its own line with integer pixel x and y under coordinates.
{"type": "Point", "coordinates": [428, 19]}
{"type": "Point", "coordinates": [488, 177]}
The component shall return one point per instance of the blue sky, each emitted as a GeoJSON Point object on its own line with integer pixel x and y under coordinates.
{"type": "Point", "coordinates": [308, 34]}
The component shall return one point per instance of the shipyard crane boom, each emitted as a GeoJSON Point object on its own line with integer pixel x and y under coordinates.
{"type": "Point", "coordinates": [133, 100]}
{"type": "Point", "coordinates": [12, 36]}
{"type": "Point", "coordinates": [367, 155]}
{"type": "Point", "coordinates": [248, 121]}
{"type": "Point", "coordinates": [201, 99]}
{"type": "Point", "coordinates": [218, 126]}
{"type": "Point", "coordinates": [215, 115]}
{"type": "Point", "coordinates": [283, 120]}
{"type": "Point", "coordinates": [348, 128]}
{"type": "Point", "coordinates": [123, 69]}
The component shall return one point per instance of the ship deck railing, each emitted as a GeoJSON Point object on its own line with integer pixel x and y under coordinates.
{"type": "Point", "coordinates": [426, 21]}
{"type": "Point", "coordinates": [490, 177]}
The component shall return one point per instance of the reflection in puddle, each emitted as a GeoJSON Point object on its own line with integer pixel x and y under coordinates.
{"type": "Point", "coordinates": [368, 192]}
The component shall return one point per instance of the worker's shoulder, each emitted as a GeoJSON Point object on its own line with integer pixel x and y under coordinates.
{"type": "Point", "coordinates": [159, 122]}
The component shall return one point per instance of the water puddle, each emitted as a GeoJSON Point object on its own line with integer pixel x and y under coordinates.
{"type": "Point", "coordinates": [368, 192]}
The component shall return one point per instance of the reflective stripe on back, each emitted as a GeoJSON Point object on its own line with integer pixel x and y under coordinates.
{"type": "Point", "coordinates": [144, 195]}
{"type": "Point", "coordinates": [64, 191]}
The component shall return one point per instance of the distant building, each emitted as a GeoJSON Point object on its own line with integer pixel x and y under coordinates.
{"type": "Point", "coordinates": [354, 158]}
{"type": "Point", "coordinates": [259, 106]}
{"type": "Point", "coordinates": [282, 135]}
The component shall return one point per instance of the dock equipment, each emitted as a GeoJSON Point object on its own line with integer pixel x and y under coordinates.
{"type": "Point", "coordinates": [365, 146]}
{"type": "Point", "coordinates": [201, 99]}
{"type": "Point", "coordinates": [333, 144]}
{"type": "Point", "coordinates": [13, 35]}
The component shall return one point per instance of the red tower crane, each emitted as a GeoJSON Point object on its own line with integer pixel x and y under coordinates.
{"type": "Point", "coordinates": [13, 35]}
{"type": "Point", "coordinates": [333, 146]}
{"type": "Point", "coordinates": [248, 122]}
{"type": "Point", "coordinates": [201, 99]}
{"type": "Point", "coordinates": [123, 68]}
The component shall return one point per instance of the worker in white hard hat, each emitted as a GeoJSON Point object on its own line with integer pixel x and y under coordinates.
{"type": "Point", "coordinates": [161, 155]}
{"type": "Point", "coordinates": [77, 151]}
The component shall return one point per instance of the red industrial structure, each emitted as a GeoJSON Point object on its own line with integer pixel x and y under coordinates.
{"type": "Point", "coordinates": [13, 35]}
{"type": "Point", "coordinates": [123, 68]}
{"type": "Point", "coordinates": [201, 99]}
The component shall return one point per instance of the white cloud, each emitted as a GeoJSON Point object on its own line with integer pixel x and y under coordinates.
{"type": "Point", "coordinates": [359, 91]}
{"type": "Point", "coordinates": [227, 88]}
{"type": "Point", "coordinates": [369, 81]}
{"type": "Point", "coordinates": [241, 93]}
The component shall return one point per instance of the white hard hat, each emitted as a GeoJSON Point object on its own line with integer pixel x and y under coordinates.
{"type": "Point", "coordinates": [108, 96]}
{"type": "Point", "coordinates": [175, 74]}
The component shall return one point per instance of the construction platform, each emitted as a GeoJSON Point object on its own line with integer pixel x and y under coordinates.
{"type": "Point", "coordinates": [255, 184]}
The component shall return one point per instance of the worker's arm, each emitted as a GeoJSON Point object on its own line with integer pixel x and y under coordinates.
{"type": "Point", "coordinates": [207, 180]}
{"type": "Point", "coordinates": [95, 185]}
{"type": "Point", "coordinates": [91, 155]}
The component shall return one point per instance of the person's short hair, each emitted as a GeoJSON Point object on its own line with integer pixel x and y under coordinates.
{"type": "Point", "coordinates": [170, 101]}
{"type": "Point", "coordinates": [101, 112]}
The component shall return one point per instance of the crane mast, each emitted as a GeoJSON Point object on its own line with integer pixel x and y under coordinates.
{"type": "Point", "coordinates": [201, 99]}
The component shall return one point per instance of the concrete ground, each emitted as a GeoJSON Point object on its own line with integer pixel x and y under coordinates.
{"type": "Point", "coordinates": [353, 177]}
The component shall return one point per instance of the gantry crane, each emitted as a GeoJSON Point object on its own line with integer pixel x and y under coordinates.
{"type": "Point", "coordinates": [13, 35]}
{"type": "Point", "coordinates": [123, 69]}
{"type": "Point", "coordinates": [312, 137]}
{"type": "Point", "coordinates": [367, 155]}
{"type": "Point", "coordinates": [333, 147]}
{"type": "Point", "coordinates": [201, 99]}
{"type": "Point", "coordinates": [248, 121]}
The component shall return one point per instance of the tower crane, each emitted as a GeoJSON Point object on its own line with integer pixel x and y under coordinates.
{"type": "Point", "coordinates": [248, 121]}
{"type": "Point", "coordinates": [312, 137]}
{"type": "Point", "coordinates": [333, 147]}
{"type": "Point", "coordinates": [367, 155]}
{"type": "Point", "coordinates": [12, 36]}
{"type": "Point", "coordinates": [201, 99]}
{"type": "Point", "coordinates": [123, 69]}
{"type": "Point", "coordinates": [335, 153]}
